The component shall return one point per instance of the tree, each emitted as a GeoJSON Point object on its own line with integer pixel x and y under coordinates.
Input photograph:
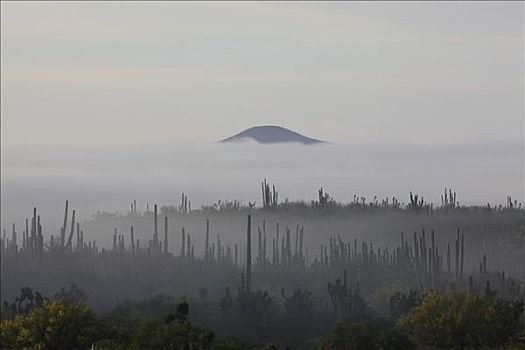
{"type": "Point", "coordinates": [229, 343]}
{"type": "Point", "coordinates": [461, 319]}
{"type": "Point", "coordinates": [55, 325]}
{"type": "Point", "coordinates": [364, 336]}
{"type": "Point", "coordinates": [401, 303]}
{"type": "Point", "coordinates": [171, 332]}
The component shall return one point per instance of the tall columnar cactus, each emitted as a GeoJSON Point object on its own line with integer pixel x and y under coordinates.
{"type": "Point", "coordinates": [27, 234]}
{"type": "Point", "coordinates": [288, 248]}
{"type": "Point", "coordinates": [183, 246]}
{"type": "Point", "coordinates": [277, 257]}
{"type": "Point", "coordinates": [462, 252]}
{"type": "Point", "coordinates": [68, 245]}
{"type": "Point", "coordinates": [185, 205]}
{"type": "Point", "coordinates": [188, 253]}
{"type": "Point", "coordinates": [236, 255]}
{"type": "Point", "coordinates": [249, 255]}
{"type": "Point", "coordinates": [40, 238]}
{"type": "Point", "coordinates": [219, 248]}
{"type": "Point", "coordinates": [132, 241]}
{"type": "Point", "coordinates": [264, 248]}
{"type": "Point", "coordinates": [269, 196]}
{"type": "Point", "coordinates": [416, 203]}
{"type": "Point", "coordinates": [448, 261]}
{"type": "Point", "coordinates": [457, 254]}
{"type": "Point", "coordinates": [155, 232]}
{"type": "Point", "coordinates": [301, 243]}
{"type": "Point", "coordinates": [259, 246]}
{"type": "Point", "coordinates": [207, 244]}
{"type": "Point", "coordinates": [34, 235]}
{"type": "Point", "coordinates": [64, 226]}
{"type": "Point", "coordinates": [448, 199]}
{"type": "Point", "coordinates": [15, 246]}
{"type": "Point", "coordinates": [165, 246]}
{"type": "Point", "coordinates": [325, 199]}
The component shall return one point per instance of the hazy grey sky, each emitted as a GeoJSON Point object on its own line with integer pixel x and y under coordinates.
{"type": "Point", "coordinates": [93, 73]}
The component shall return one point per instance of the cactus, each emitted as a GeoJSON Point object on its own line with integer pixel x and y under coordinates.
{"type": "Point", "coordinates": [183, 247]}
{"type": "Point", "coordinates": [248, 255]}
{"type": "Point", "coordinates": [416, 203]}
{"type": "Point", "coordinates": [325, 200]}
{"type": "Point", "coordinates": [155, 232]}
{"type": "Point", "coordinates": [347, 302]}
{"type": "Point", "coordinates": [299, 304]}
{"type": "Point", "coordinates": [269, 195]}
{"type": "Point", "coordinates": [165, 235]}
{"type": "Point", "coordinates": [132, 241]}
{"type": "Point", "coordinates": [207, 244]}
{"type": "Point", "coordinates": [63, 231]}
{"type": "Point", "coordinates": [188, 254]}
{"type": "Point", "coordinates": [259, 246]}
{"type": "Point", "coordinates": [236, 256]}
{"type": "Point", "coordinates": [115, 239]}
{"type": "Point", "coordinates": [68, 245]}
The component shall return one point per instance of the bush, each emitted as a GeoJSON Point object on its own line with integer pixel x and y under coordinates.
{"type": "Point", "coordinates": [54, 325]}
{"type": "Point", "coordinates": [462, 319]}
{"type": "Point", "coordinates": [364, 336]}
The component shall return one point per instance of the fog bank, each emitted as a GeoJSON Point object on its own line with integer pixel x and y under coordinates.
{"type": "Point", "coordinates": [108, 179]}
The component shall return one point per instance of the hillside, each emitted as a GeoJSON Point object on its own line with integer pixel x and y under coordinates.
{"type": "Point", "coordinates": [271, 134]}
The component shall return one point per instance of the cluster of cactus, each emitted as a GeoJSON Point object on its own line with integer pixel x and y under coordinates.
{"type": "Point", "coordinates": [248, 282]}
{"type": "Point", "coordinates": [348, 305]}
{"type": "Point", "coordinates": [422, 261]}
{"type": "Point", "coordinates": [23, 303]}
{"type": "Point", "coordinates": [270, 200]}
{"type": "Point", "coordinates": [429, 262]}
{"type": "Point", "coordinates": [133, 210]}
{"type": "Point", "coordinates": [226, 205]}
{"type": "Point", "coordinates": [299, 304]}
{"type": "Point", "coordinates": [61, 240]}
{"type": "Point", "coordinates": [358, 200]}
{"type": "Point", "coordinates": [269, 196]}
{"type": "Point", "coordinates": [253, 303]}
{"type": "Point", "coordinates": [32, 241]}
{"type": "Point", "coordinates": [226, 301]}
{"type": "Point", "coordinates": [385, 203]}
{"type": "Point", "coordinates": [416, 203]}
{"type": "Point", "coordinates": [185, 204]}
{"type": "Point", "coordinates": [448, 200]}
{"type": "Point", "coordinates": [250, 302]}
{"type": "Point", "coordinates": [72, 294]}
{"type": "Point", "coordinates": [511, 204]}
{"type": "Point", "coordinates": [224, 252]}
{"type": "Point", "coordinates": [261, 246]}
{"type": "Point", "coordinates": [401, 303]}
{"type": "Point", "coordinates": [495, 284]}
{"type": "Point", "coordinates": [284, 258]}
{"type": "Point", "coordinates": [394, 204]}
{"type": "Point", "coordinates": [187, 250]}
{"type": "Point", "coordinates": [325, 200]}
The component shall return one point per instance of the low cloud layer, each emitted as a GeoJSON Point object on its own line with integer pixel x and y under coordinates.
{"type": "Point", "coordinates": [108, 179]}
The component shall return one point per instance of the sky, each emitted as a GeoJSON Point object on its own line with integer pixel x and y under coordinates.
{"type": "Point", "coordinates": [79, 74]}
{"type": "Point", "coordinates": [106, 102]}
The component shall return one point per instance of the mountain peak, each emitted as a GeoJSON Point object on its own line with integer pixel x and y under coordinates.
{"type": "Point", "coordinates": [271, 134]}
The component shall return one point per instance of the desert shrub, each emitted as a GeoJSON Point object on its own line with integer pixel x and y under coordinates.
{"type": "Point", "coordinates": [462, 319]}
{"type": "Point", "coordinates": [54, 325]}
{"type": "Point", "coordinates": [368, 335]}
